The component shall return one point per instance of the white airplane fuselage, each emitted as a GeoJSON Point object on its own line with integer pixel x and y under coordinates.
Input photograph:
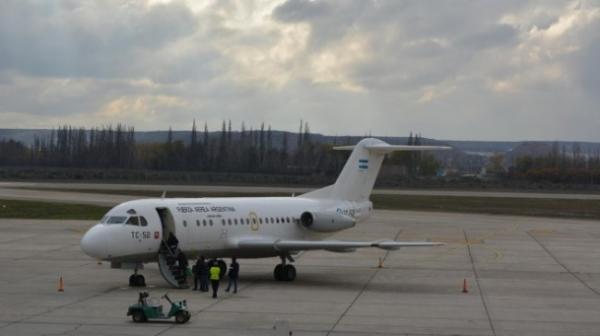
{"type": "Point", "coordinates": [210, 227]}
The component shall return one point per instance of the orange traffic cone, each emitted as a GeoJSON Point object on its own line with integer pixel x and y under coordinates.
{"type": "Point", "coordinates": [61, 284]}
{"type": "Point", "coordinates": [465, 289]}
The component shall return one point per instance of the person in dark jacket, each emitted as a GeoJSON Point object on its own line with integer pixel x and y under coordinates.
{"type": "Point", "coordinates": [183, 263]}
{"type": "Point", "coordinates": [233, 274]}
{"type": "Point", "coordinates": [201, 274]}
{"type": "Point", "coordinates": [196, 274]}
{"type": "Point", "coordinates": [172, 242]}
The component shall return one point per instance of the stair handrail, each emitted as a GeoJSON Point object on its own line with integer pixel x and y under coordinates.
{"type": "Point", "coordinates": [169, 250]}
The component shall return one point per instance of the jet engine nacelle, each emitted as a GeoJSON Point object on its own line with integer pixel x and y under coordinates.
{"type": "Point", "coordinates": [325, 221]}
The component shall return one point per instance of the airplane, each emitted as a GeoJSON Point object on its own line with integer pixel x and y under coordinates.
{"type": "Point", "coordinates": [137, 232]}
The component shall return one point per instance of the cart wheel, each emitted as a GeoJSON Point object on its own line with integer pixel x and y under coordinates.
{"type": "Point", "coordinates": [138, 316]}
{"type": "Point", "coordinates": [182, 316]}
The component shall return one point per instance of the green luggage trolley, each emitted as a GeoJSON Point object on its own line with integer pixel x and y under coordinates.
{"type": "Point", "coordinates": [143, 311]}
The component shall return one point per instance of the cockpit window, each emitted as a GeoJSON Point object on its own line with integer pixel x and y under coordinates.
{"type": "Point", "coordinates": [133, 220]}
{"type": "Point", "coordinates": [116, 220]}
{"type": "Point", "coordinates": [143, 221]}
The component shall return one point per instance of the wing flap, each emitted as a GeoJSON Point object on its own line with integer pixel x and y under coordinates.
{"type": "Point", "coordinates": [281, 245]}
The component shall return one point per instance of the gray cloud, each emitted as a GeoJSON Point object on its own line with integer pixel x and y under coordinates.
{"type": "Point", "coordinates": [451, 69]}
{"type": "Point", "coordinates": [87, 38]}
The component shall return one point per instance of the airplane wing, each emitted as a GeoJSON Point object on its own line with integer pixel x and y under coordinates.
{"type": "Point", "coordinates": [282, 245]}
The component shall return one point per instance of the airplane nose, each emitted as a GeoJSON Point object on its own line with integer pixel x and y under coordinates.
{"type": "Point", "coordinates": [94, 242]}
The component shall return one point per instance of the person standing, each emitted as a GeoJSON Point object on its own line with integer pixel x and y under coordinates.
{"type": "Point", "coordinates": [203, 274]}
{"type": "Point", "coordinates": [233, 274]}
{"type": "Point", "coordinates": [172, 242]}
{"type": "Point", "coordinates": [182, 263]}
{"type": "Point", "coordinates": [215, 276]}
{"type": "Point", "coordinates": [196, 273]}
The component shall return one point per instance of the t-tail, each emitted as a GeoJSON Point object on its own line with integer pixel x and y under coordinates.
{"type": "Point", "coordinates": [358, 176]}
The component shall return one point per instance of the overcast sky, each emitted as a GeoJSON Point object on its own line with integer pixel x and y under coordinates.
{"type": "Point", "coordinates": [485, 70]}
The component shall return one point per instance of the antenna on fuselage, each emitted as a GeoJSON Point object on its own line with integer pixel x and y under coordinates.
{"type": "Point", "coordinates": [164, 194]}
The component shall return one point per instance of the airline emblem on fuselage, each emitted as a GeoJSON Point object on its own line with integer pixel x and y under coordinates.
{"type": "Point", "coordinates": [253, 221]}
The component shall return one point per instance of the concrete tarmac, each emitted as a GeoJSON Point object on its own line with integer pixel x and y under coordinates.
{"type": "Point", "coordinates": [526, 276]}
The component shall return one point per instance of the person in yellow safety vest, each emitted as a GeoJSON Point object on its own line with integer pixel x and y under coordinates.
{"type": "Point", "coordinates": [215, 276]}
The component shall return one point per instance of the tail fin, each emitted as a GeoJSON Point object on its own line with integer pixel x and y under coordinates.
{"type": "Point", "coordinates": [358, 176]}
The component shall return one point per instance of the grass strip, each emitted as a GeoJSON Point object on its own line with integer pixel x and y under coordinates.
{"type": "Point", "coordinates": [157, 194]}
{"type": "Point", "coordinates": [49, 210]}
{"type": "Point", "coordinates": [538, 207]}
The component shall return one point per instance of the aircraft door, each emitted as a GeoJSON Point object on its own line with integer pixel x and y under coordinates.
{"type": "Point", "coordinates": [167, 223]}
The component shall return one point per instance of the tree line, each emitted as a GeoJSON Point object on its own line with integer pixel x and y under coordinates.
{"type": "Point", "coordinates": [265, 151]}
{"type": "Point", "coordinates": [558, 166]}
{"type": "Point", "coordinates": [246, 150]}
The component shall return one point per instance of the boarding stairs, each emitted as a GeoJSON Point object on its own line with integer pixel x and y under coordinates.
{"type": "Point", "coordinates": [169, 267]}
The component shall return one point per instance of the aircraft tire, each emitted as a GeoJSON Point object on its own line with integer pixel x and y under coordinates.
{"type": "Point", "coordinates": [137, 280]}
{"type": "Point", "coordinates": [289, 273]}
{"type": "Point", "coordinates": [278, 272]}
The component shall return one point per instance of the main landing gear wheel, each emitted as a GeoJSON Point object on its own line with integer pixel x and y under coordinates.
{"type": "Point", "coordinates": [137, 280]}
{"type": "Point", "coordinates": [284, 272]}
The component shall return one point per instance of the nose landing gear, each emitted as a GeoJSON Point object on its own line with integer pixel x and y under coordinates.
{"type": "Point", "coordinates": [283, 271]}
{"type": "Point", "coordinates": [136, 280]}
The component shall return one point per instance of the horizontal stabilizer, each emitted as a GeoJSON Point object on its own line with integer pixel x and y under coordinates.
{"type": "Point", "coordinates": [280, 245]}
{"type": "Point", "coordinates": [385, 148]}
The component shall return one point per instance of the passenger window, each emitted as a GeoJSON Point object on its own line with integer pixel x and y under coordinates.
{"type": "Point", "coordinates": [277, 220]}
{"type": "Point", "coordinates": [185, 223]}
{"type": "Point", "coordinates": [204, 222]}
{"type": "Point", "coordinates": [260, 220]}
{"type": "Point", "coordinates": [235, 221]}
{"type": "Point", "coordinates": [229, 221]}
{"type": "Point", "coordinates": [287, 219]}
{"type": "Point", "coordinates": [133, 221]}
{"type": "Point", "coordinates": [253, 220]}
{"type": "Point", "coordinates": [197, 222]}
{"type": "Point", "coordinates": [211, 222]}
{"type": "Point", "coordinates": [143, 221]}
{"type": "Point", "coordinates": [223, 221]}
